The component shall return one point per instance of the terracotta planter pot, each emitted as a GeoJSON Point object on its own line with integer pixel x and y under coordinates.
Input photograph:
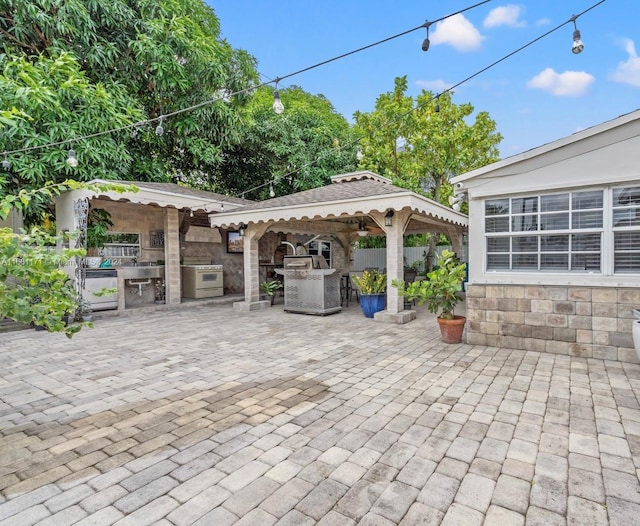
{"type": "Point", "coordinates": [451, 330]}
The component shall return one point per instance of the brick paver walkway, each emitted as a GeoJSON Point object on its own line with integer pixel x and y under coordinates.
{"type": "Point", "coordinates": [209, 416]}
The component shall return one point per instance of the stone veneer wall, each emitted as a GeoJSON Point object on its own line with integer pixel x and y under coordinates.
{"type": "Point", "coordinates": [593, 322]}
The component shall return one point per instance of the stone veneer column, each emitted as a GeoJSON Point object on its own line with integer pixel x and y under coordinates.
{"type": "Point", "coordinates": [251, 256]}
{"type": "Point", "coordinates": [172, 276]}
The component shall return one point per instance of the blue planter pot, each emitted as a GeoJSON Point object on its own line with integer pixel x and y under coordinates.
{"type": "Point", "coordinates": [372, 303]}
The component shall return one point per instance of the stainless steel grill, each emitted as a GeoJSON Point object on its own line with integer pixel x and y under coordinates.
{"type": "Point", "coordinates": [309, 286]}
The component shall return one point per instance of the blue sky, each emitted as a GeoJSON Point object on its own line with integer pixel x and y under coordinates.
{"type": "Point", "coordinates": [538, 95]}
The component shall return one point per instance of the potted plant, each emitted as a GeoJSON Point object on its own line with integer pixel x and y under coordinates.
{"type": "Point", "coordinates": [440, 291]}
{"type": "Point", "coordinates": [371, 291]}
{"type": "Point", "coordinates": [269, 288]}
{"type": "Point", "coordinates": [98, 224]}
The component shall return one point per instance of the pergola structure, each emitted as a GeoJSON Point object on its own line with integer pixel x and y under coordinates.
{"type": "Point", "coordinates": [351, 202]}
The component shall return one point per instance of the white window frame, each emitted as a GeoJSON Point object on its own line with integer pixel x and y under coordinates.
{"type": "Point", "coordinates": [607, 238]}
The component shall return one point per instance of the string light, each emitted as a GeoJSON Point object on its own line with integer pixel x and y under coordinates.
{"type": "Point", "coordinates": [359, 154]}
{"type": "Point", "coordinates": [6, 164]}
{"type": "Point", "coordinates": [271, 192]}
{"type": "Point", "coordinates": [159, 128]}
{"type": "Point", "coordinates": [72, 160]}
{"type": "Point", "coordinates": [278, 107]}
{"type": "Point", "coordinates": [425, 42]}
{"type": "Point", "coordinates": [578, 46]}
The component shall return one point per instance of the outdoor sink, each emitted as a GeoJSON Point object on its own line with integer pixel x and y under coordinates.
{"type": "Point", "coordinates": [142, 272]}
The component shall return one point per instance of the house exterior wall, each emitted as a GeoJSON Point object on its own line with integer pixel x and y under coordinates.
{"type": "Point", "coordinates": [591, 322]}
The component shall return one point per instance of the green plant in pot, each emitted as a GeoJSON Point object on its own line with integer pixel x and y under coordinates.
{"type": "Point", "coordinates": [269, 288]}
{"type": "Point", "coordinates": [441, 293]}
{"type": "Point", "coordinates": [98, 224]}
{"type": "Point", "coordinates": [371, 291]}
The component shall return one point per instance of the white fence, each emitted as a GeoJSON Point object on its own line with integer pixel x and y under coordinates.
{"type": "Point", "coordinates": [377, 257]}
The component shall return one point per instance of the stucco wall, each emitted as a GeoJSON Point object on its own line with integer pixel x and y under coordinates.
{"type": "Point", "coordinates": [593, 322]}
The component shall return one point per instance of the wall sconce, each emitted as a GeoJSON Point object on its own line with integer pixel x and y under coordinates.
{"type": "Point", "coordinates": [388, 218]}
{"type": "Point", "coordinates": [241, 229]}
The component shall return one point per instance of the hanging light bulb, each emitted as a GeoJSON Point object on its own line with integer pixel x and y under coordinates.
{"type": "Point", "coordinates": [159, 128]}
{"type": "Point", "coordinates": [437, 105]}
{"type": "Point", "coordinates": [278, 107]}
{"type": "Point", "coordinates": [72, 160]}
{"type": "Point", "coordinates": [359, 154]}
{"type": "Point", "coordinates": [271, 191]}
{"type": "Point", "coordinates": [191, 213]}
{"type": "Point", "coordinates": [425, 42]}
{"type": "Point", "coordinates": [578, 46]}
{"type": "Point", "coordinates": [5, 163]}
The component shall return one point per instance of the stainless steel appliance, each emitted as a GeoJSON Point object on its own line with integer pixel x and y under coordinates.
{"type": "Point", "coordinates": [97, 279]}
{"type": "Point", "coordinates": [309, 286]}
{"type": "Point", "coordinates": [200, 279]}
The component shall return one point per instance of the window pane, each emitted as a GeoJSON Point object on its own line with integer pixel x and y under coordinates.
{"type": "Point", "coordinates": [496, 224]}
{"type": "Point", "coordinates": [589, 262]}
{"type": "Point", "coordinates": [524, 205]}
{"type": "Point", "coordinates": [585, 242]}
{"type": "Point", "coordinates": [554, 243]}
{"type": "Point", "coordinates": [554, 262]}
{"type": "Point", "coordinates": [626, 217]}
{"type": "Point", "coordinates": [552, 203]}
{"type": "Point", "coordinates": [498, 262]}
{"type": "Point", "coordinates": [587, 219]}
{"type": "Point", "coordinates": [554, 221]}
{"type": "Point", "coordinates": [627, 241]}
{"type": "Point", "coordinates": [498, 244]}
{"type": "Point", "coordinates": [524, 223]}
{"type": "Point", "coordinates": [590, 199]}
{"type": "Point", "coordinates": [525, 244]}
{"type": "Point", "coordinates": [626, 196]}
{"type": "Point", "coordinates": [494, 207]}
{"type": "Point", "coordinates": [627, 263]}
{"type": "Point", "coordinates": [525, 262]}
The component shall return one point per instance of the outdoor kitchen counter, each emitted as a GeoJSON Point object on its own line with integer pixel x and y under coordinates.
{"type": "Point", "coordinates": [140, 278]}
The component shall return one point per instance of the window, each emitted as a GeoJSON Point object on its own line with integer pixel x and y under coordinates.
{"type": "Point", "coordinates": [550, 233]}
{"type": "Point", "coordinates": [626, 230]}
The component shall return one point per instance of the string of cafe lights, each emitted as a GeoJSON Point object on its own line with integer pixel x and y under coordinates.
{"type": "Point", "coordinates": [159, 130]}
{"type": "Point", "coordinates": [577, 48]}
{"type": "Point", "coordinates": [278, 107]}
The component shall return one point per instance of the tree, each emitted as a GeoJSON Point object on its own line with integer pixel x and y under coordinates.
{"type": "Point", "coordinates": [420, 144]}
{"type": "Point", "coordinates": [298, 149]}
{"type": "Point", "coordinates": [142, 59]}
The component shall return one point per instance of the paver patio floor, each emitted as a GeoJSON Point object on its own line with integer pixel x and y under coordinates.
{"type": "Point", "coordinates": [209, 416]}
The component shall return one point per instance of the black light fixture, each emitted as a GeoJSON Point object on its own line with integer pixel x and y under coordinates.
{"type": "Point", "coordinates": [388, 218]}
{"type": "Point", "coordinates": [425, 42]}
{"type": "Point", "coordinates": [362, 229]}
{"type": "Point", "coordinates": [241, 229]}
{"type": "Point", "coordinates": [578, 46]}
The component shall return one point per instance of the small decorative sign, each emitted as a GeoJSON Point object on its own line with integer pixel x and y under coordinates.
{"type": "Point", "coordinates": [156, 239]}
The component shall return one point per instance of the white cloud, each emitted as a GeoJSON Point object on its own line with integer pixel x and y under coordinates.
{"type": "Point", "coordinates": [458, 32]}
{"type": "Point", "coordinates": [434, 85]}
{"type": "Point", "coordinates": [567, 84]}
{"type": "Point", "coordinates": [628, 71]}
{"type": "Point", "coordinates": [543, 22]}
{"type": "Point", "coordinates": [506, 15]}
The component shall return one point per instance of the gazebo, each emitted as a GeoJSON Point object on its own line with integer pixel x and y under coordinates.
{"type": "Point", "coordinates": [351, 203]}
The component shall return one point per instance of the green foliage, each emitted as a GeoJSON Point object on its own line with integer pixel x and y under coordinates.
{"type": "Point", "coordinates": [371, 282]}
{"type": "Point", "coordinates": [420, 148]}
{"type": "Point", "coordinates": [440, 291]}
{"type": "Point", "coordinates": [270, 287]}
{"type": "Point", "coordinates": [98, 224]}
{"type": "Point", "coordinates": [299, 148]}
{"type": "Point", "coordinates": [34, 287]}
{"type": "Point", "coordinates": [78, 67]}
